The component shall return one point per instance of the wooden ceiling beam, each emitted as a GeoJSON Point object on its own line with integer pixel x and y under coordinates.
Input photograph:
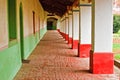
{"type": "Point", "coordinates": [59, 7]}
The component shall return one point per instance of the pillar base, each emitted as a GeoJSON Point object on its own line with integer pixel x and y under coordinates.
{"type": "Point", "coordinates": [75, 44]}
{"type": "Point", "coordinates": [84, 50]}
{"type": "Point", "coordinates": [63, 34]}
{"type": "Point", "coordinates": [101, 62]}
{"type": "Point", "coordinates": [60, 33]}
{"type": "Point", "coordinates": [58, 30]}
{"type": "Point", "coordinates": [66, 37]}
{"type": "Point", "coordinates": [70, 40]}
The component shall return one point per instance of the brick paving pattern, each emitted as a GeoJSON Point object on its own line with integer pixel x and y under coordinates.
{"type": "Point", "coordinates": [54, 60]}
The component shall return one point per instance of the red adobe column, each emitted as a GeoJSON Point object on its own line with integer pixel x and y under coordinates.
{"type": "Point", "coordinates": [75, 28]}
{"type": "Point", "coordinates": [101, 56]}
{"type": "Point", "coordinates": [85, 30]}
{"type": "Point", "coordinates": [70, 27]}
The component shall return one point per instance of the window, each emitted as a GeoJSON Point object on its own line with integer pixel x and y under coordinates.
{"type": "Point", "coordinates": [33, 22]}
{"type": "Point", "coordinates": [12, 19]}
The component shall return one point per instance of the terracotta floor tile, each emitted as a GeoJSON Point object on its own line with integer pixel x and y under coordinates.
{"type": "Point", "coordinates": [53, 59]}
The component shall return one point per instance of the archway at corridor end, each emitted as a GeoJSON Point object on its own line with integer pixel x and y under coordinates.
{"type": "Point", "coordinates": [51, 23]}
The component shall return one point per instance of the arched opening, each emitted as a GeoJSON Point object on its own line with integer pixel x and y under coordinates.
{"type": "Point", "coordinates": [21, 31]}
{"type": "Point", "coordinates": [52, 23]}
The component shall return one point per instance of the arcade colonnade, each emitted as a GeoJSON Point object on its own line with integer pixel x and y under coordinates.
{"type": "Point", "coordinates": [88, 28]}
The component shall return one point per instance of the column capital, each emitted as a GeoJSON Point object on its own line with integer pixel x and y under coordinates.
{"type": "Point", "coordinates": [63, 18]}
{"type": "Point", "coordinates": [70, 12]}
{"type": "Point", "coordinates": [69, 8]}
{"type": "Point", "coordinates": [66, 15]}
{"type": "Point", "coordinates": [75, 9]}
{"type": "Point", "coordinates": [84, 2]}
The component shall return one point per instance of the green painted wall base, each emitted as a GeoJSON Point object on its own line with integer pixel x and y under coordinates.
{"type": "Point", "coordinates": [31, 41]}
{"type": "Point", "coordinates": [42, 32]}
{"type": "Point", "coordinates": [10, 58]}
{"type": "Point", "coordinates": [10, 62]}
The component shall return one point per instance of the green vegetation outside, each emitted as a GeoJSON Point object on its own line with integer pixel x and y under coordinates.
{"type": "Point", "coordinates": [116, 36]}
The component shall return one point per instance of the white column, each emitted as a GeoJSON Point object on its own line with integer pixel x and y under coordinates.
{"type": "Point", "coordinates": [61, 25]}
{"type": "Point", "coordinates": [70, 27]}
{"type": "Point", "coordinates": [75, 27]}
{"type": "Point", "coordinates": [102, 26]}
{"type": "Point", "coordinates": [85, 30]}
{"type": "Point", "coordinates": [58, 25]}
{"type": "Point", "coordinates": [66, 27]}
{"type": "Point", "coordinates": [66, 21]}
{"type": "Point", "coordinates": [85, 25]}
{"type": "Point", "coordinates": [102, 29]}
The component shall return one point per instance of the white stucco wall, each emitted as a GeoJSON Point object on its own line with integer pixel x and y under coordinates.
{"type": "Point", "coordinates": [3, 24]}
{"type": "Point", "coordinates": [28, 8]}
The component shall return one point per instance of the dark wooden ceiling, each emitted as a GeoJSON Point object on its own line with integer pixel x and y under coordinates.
{"type": "Point", "coordinates": [57, 7]}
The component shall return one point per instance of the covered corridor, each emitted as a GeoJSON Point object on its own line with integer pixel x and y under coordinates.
{"type": "Point", "coordinates": [79, 49]}
{"type": "Point", "coordinates": [53, 59]}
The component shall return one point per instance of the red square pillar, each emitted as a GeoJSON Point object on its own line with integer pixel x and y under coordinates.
{"type": "Point", "coordinates": [75, 28]}
{"type": "Point", "coordinates": [101, 56]}
{"type": "Point", "coordinates": [101, 63]}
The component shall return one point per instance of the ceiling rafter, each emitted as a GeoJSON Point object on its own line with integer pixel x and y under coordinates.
{"type": "Point", "coordinates": [58, 7]}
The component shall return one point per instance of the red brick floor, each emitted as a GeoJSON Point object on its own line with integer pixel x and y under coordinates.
{"type": "Point", "coordinates": [54, 60]}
